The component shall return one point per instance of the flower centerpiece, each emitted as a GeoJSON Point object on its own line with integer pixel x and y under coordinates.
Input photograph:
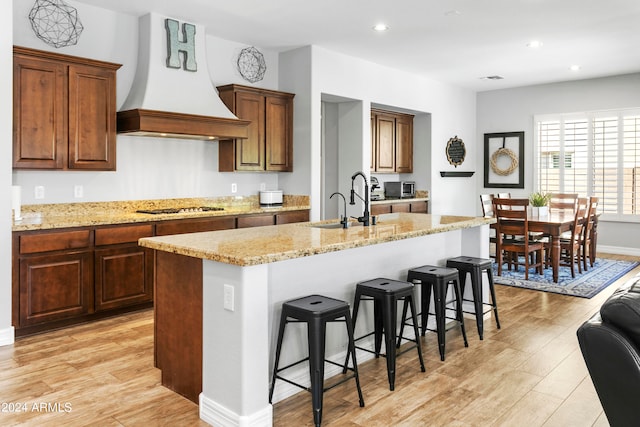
{"type": "Point", "coordinates": [539, 203]}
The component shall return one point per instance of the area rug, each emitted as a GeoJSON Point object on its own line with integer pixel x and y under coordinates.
{"type": "Point", "coordinates": [585, 285]}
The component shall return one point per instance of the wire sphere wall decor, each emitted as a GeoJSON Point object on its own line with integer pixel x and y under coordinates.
{"type": "Point", "coordinates": [251, 64]}
{"type": "Point", "coordinates": [55, 23]}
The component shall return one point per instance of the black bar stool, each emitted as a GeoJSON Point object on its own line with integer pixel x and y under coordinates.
{"type": "Point", "coordinates": [438, 278]}
{"type": "Point", "coordinates": [475, 267]}
{"type": "Point", "coordinates": [385, 294]}
{"type": "Point", "coordinates": [316, 311]}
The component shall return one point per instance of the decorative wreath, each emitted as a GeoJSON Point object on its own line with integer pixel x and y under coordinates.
{"type": "Point", "coordinates": [504, 152]}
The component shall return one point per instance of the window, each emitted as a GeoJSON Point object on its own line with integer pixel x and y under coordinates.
{"type": "Point", "coordinates": [595, 154]}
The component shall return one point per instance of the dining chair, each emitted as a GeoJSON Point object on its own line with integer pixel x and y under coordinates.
{"type": "Point", "coordinates": [588, 250]}
{"type": "Point", "coordinates": [512, 221]}
{"type": "Point", "coordinates": [487, 205]}
{"type": "Point", "coordinates": [571, 244]}
{"type": "Point", "coordinates": [563, 201]}
{"type": "Point", "coordinates": [486, 201]}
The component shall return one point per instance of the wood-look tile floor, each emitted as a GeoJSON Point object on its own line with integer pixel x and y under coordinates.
{"type": "Point", "coordinates": [530, 372]}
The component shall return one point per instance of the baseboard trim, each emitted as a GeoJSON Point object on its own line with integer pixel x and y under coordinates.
{"type": "Point", "coordinates": [217, 415]}
{"type": "Point", "coordinates": [7, 336]}
{"type": "Point", "coordinates": [619, 250]}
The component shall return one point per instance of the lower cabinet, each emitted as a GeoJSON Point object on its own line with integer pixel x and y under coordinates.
{"type": "Point", "coordinates": [55, 287]}
{"type": "Point", "coordinates": [413, 207]}
{"type": "Point", "coordinates": [69, 276]}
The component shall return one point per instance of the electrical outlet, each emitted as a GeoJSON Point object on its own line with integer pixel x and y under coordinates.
{"type": "Point", "coordinates": [38, 192]}
{"type": "Point", "coordinates": [263, 186]}
{"type": "Point", "coordinates": [78, 191]}
{"type": "Point", "coordinates": [228, 297]}
{"type": "Point", "coordinates": [234, 188]}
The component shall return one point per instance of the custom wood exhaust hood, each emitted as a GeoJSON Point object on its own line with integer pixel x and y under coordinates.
{"type": "Point", "coordinates": [172, 94]}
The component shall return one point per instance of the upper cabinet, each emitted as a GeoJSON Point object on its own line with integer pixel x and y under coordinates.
{"type": "Point", "coordinates": [391, 142]}
{"type": "Point", "coordinates": [269, 146]}
{"type": "Point", "coordinates": [64, 111]}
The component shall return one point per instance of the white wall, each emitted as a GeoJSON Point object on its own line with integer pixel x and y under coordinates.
{"type": "Point", "coordinates": [6, 126]}
{"type": "Point", "coordinates": [147, 168]}
{"type": "Point", "coordinates": [443, 110]}
{"type": "Point", "coordinates": [513, 110]}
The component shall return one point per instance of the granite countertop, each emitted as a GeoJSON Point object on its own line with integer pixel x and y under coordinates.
{"type": "Point", "coordinates": [261, 245]}
{"type": "Point", "coordinates": [65, 215]}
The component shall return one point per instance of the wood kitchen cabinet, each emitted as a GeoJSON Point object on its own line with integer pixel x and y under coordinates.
{"type": "Point", "coordinates": [123, 270]}
{"type": "Point", "coordinates": [409, 206]}
{"type": "Point", "coordinates": [54, 279]}
{"type": "Point", "coordinates": [182, 226]}
{"type": "Point", "coordinates": [391, 142]}
{"type": "Point", "coordinates": [62, 277]}
{"type": "Point", "coordinates": [64, 111]}
{"type": "Point", "coordinates": [269, 146]}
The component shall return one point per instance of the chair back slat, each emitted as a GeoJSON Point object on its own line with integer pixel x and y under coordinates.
{"type": "Point", "coordinates": [563, 201]}
{"type": "Point", "coordinates": [487, 205]}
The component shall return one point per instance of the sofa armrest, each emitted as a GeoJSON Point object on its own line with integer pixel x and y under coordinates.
{"type": "Point", "coordinates": [613, 362]}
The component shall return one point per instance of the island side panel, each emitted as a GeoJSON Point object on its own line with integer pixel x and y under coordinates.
{"type": "Point", "coordinates": [235, 389]}
{"type": "Point", "coordinates": [178, 323]}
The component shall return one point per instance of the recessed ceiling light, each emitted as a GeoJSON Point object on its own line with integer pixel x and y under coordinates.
{"type": "Point", "coordinates": [534, 44]}
{"type": "Point", "coordinates": [496, 77]}
{"type": "Point", "coordinates": [574, 68]}
{"type": "Point", "coordinates": [453, 12]}
{"type": "Point", "coordinates": [381, 27]}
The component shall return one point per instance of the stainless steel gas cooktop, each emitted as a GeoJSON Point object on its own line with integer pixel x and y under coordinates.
{"type": "Point", "coordinates": [186, 209]}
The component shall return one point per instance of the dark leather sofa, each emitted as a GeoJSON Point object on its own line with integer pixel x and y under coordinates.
{"type": "Point", "coordinates": [610, 345]}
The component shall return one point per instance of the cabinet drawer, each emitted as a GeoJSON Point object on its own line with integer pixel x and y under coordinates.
{"type": "Point", "coordinates": [46, 242]}
{"type": "Point", "coordinates": [195, 226]}
{"type": "Point", "coordinates": [127, 234]}
{"type": "Point", "coordinates": [289, 217]}
{"type": "Point", "coordinates": [255, 221]}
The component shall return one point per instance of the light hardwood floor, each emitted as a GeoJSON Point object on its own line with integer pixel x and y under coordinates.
{"type": "Point", "coordinates": [530, 372]}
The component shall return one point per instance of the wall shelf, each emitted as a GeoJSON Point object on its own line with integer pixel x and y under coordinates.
{"type": "Point", "coordinates": [455, 174]}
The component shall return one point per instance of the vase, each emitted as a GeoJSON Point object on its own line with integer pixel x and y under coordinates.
{"type": "Point", "coordinates": [539, 211]}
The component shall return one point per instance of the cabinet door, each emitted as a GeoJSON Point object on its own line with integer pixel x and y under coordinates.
{"type": "Point", "coordinates": [55, 287]}
{"type": "Point", "coordinates": [124, 276]}
{"type": "Point", "coordinates": [404, 144]}
{"type": "Point", "coordinates": [92, 118]}
{"type": "Point", "coordinates": [279, 133]}
{"type": "Point", "coordinates": [379, 209]}
{"type": "Point", "coordinates": [385, 133]}
{"type": "Point", "coordinates": [400, 207]}
{"type": "Point", "coordinates": [250, 151]}
{"type": "Point", "coordinates": [419, 207]}
{"type": "Point", "coordinates": [373, 143]}
{"type": "Point", "coordinates": [39, 102]}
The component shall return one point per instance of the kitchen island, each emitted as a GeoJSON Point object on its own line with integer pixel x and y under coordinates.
{"type": "Point", "coordinates": [218, 298]}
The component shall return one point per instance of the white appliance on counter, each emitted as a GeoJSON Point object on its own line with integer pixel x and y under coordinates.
{"type": "Point", "coordinates": [270, 198]}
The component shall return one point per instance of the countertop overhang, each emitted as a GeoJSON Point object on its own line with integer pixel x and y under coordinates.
{"type": "Point", "coordinates": [262, 245]}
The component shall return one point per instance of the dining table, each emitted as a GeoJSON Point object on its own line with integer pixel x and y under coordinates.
{"type": "Point", "coordinates": [551, 224]}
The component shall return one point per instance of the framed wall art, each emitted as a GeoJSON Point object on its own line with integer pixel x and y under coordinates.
{"type": "Point", "coordinates": [504, 160]}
